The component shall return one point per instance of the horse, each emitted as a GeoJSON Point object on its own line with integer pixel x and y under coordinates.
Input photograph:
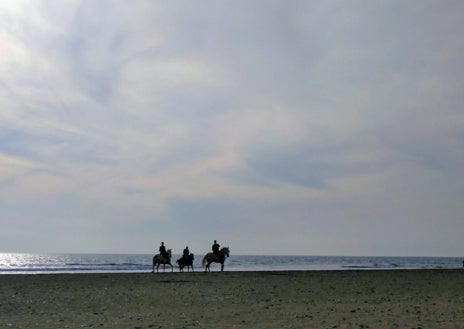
{"type": "Point", "coordinates": [211, 257]}
{"type": "Point", "coordinates": [186, 261]}
{"type": "Point", "coordinates": [159, 259]}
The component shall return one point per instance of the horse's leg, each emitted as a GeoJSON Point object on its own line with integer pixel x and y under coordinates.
{"type": "Point", "coordinates": [222, 267]}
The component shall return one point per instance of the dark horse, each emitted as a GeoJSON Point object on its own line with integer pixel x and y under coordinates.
{"type": "Point", "coordinates": [212, 258]}
{"type": "Point", "coordinates": [159, 259]}
{"type": "Point", "coordinates": [186, 261]}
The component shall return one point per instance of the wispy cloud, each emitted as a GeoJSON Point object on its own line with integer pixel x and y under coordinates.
{"type": "Point", "coordinates": [321, 127]}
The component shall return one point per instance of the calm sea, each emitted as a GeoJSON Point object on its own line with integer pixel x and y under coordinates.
{"type": "Point", "coordinates": [15, 263]}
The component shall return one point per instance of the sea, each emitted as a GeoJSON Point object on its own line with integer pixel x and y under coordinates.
{"type": "Point", "coordinates": [26, 263]}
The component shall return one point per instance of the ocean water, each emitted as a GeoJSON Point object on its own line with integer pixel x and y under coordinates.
{"type": "Point", "coordinates": [16, 263]}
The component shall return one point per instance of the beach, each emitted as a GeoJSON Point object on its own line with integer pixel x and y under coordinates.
{"type": "Point", "coordinates": [284, 299]}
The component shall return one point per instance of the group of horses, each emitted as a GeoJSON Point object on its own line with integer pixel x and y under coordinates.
{"type": "Point", "coordinates": [188, 261]}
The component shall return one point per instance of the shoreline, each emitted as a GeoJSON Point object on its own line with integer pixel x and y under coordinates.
{"type": "Point", "coordinates": [215, 270]}
{"type": "Point", "coordinates": [425, 298]}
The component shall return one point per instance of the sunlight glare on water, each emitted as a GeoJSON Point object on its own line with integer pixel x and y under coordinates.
{"type": "Point", "coordinates": [24, 261]}
{"type": "Point", "coordinates": [8, 260]}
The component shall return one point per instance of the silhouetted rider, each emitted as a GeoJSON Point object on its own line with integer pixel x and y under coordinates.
{"type": "Point", "coordinates": [186, 253]}
{"type": "Point", "coordinates": [163, 251]}
{"type": "Point", "coordinates": [216, 250]}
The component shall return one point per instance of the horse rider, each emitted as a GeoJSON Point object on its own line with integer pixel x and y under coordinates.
{"type": "Point", "coordinates": [216, 251]}
{"type": "Point", "coordinates": [186, 253]}
{"type": "Point", "coordinates": [163, 252]}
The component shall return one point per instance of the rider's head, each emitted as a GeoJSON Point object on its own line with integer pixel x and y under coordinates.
{"type": "Point", "coordinates": [162, 243]}
{"type": "Point", "coordinates": [215, 241]}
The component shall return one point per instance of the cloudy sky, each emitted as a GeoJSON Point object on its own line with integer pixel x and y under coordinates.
{"type": "Point", "coordinates": [275, 127]}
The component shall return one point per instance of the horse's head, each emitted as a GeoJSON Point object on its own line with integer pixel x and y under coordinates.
{"type": "Point", "coordinates": [225, 251]}
{"type": "Point", "coordinates": [169, 252]}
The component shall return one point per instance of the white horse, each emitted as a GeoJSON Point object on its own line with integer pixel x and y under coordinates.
{"type": "Point", "coordinates": [212, 258]}
{"type": "Point", "coordinates": [159, 259]}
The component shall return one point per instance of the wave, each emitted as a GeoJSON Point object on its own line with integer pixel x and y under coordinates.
{"type": "Point", "coordinates": [359, 266]}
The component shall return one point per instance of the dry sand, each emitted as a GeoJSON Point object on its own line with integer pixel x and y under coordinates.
{"type": "Point", "coordinates": [335, 299]}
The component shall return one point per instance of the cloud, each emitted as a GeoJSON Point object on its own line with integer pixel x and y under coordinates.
{"type": "Point", "coordinates": [315, 124]}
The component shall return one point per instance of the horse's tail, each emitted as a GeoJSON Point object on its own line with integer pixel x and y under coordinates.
{"type": "Point", "coordinates": [203, 262]}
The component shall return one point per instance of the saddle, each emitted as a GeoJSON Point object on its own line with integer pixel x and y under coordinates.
{"type": "Point", "coordinates": [219, 255]}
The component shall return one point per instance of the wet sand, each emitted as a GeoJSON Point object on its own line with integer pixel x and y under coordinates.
{"type": "Point", "coordinates": [296, 299]}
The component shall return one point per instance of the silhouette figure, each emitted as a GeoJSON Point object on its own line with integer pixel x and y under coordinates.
{"type": "Point", "coordinates": [163, 252]}
{"type": "Point", "coordinates": [186, 252]}
{"type": "Point", "coordinates": [215, 247]}
{"type": "Point", "coordinates": [160, 259]}
{"type": "Point", "coordinates": [212, 258]}
{"type": "Point", "coordinates": [186, 261]}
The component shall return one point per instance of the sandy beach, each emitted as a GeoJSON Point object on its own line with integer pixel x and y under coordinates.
{"type": "Point", "coordinates": [333, 299]}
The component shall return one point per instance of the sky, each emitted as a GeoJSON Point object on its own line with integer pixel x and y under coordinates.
{"type": "Point", "coordinates": [276, 127]}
